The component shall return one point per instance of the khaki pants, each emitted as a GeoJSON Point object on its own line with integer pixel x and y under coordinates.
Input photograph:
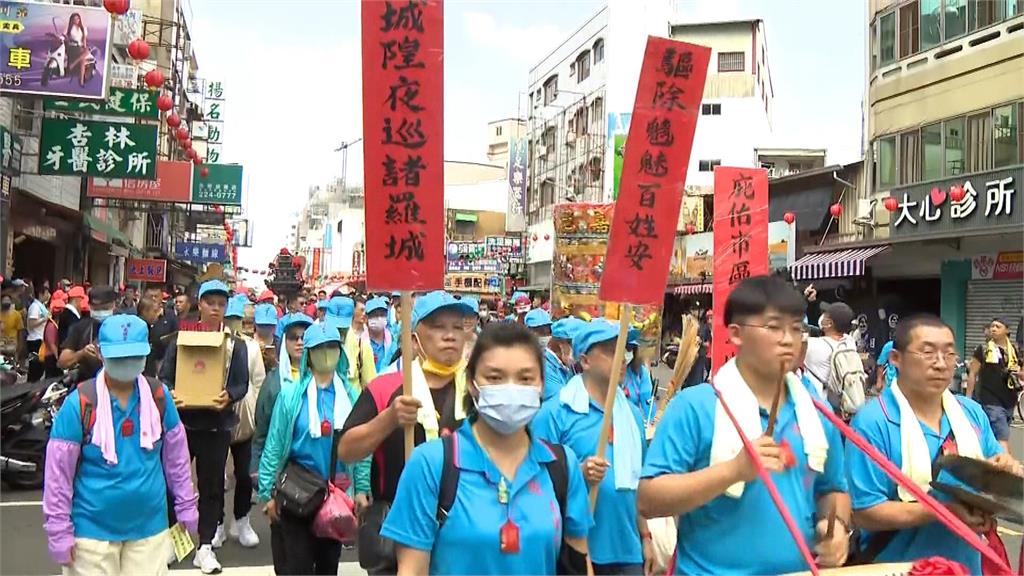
{"type": "Point", "coordinates": [146, 556]}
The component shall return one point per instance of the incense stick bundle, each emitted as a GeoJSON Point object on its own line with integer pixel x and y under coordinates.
{"type": "Point", "coordinates": [688, 349]}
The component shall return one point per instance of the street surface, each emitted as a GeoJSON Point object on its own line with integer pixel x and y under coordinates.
{"type": "Point", "coordinates": [23, 543]}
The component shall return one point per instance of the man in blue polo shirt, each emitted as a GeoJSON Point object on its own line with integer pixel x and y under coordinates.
{"type": "Point", "coordinates": [558, 364]}
{"type": "Point", "coordinates": [619, 541]}
{"type": "Point", "coordinates": [918, 413]}
{"type": "Point", "coordinates": [108, 475]}
{"type": "Point", "coordinates": [698, 470]}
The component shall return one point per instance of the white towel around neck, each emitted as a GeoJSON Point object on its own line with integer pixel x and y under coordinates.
{"type": "Point", "coordinates": [342, 405]}
{"type": "Point", "coordinates": [726, 442]}
{"type": "Point", "coordinates": [917, 459]}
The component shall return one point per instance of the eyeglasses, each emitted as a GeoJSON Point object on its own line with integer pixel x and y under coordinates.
{"type": "Point", "coordinates": [293, 337]}
{"type": "Point", "coordinates": [796, 331]}
{"type": "Point", "coordinates": [932, 356]}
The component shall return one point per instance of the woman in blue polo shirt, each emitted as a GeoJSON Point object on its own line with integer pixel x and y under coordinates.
{"type": "Point", "coordinates": [306, 416]}
{"type": "Point", "coordinates": [637, 385]}
{"type": "Point", "coordinates": [505, 516]}
{"type": "Point", "coordinates": [108, 475]}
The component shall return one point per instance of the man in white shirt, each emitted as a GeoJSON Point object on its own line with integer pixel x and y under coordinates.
{"type": "Point", "coordinates": [835, 323]}
{"type": "Point", "coordinates": [35, 320]}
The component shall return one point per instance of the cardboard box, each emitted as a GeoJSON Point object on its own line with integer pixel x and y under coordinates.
{"type": "Point", "coordinates": [201, 369]}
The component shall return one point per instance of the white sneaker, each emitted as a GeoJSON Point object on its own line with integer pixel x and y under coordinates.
{"type": "Point", "coordinates": [219, 538]}
{"type": "Point", "coordinates": [171, 556]}
{"type": "Point", "coordinates": [206, 560]}
{"type": "Point", "coordinates": [241, 530]}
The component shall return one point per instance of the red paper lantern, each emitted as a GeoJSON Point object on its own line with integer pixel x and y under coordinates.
{"type": "Point", "coordinates": [154, 78]}
{"type": "Point", "coordinates": [690, 228]}
{"type": "Point", "coordinates": [191, 153]}
{"type": "Point", "coordinates": [204, 172]}
{"type": "Point", "coordinates": [891, 204]}
{"type": "Point", "coordinates": [116, 7]}
{"type": "Point", "coordinates": [957, 193]}
{"type": "Point", "coordinates": [836, 210]}
{"type": "Point", "coordinates": [164, 104]}
{"type": "Point", "coordinates": [789, 217]}
{"type": "Point", "coordinates": [173, 120]}
{"type": "Point", "coordinates": [534, 237]}
{"type": "Point", "coordinates": [547, 236]}
{"type": "Point", "coordinates": [218, 208]}
{"type": "Point", "coordinates": [196, 159]}
{"type": "Point", "coordinates": [181, 133]}
{"type": "Point", "coordinates": [138, 49]}
{"type": "Point", "coordinates": [186, 144]}
{"type": "Point", "coordinates": [284, 252]}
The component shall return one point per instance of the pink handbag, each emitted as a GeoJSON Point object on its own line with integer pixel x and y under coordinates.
{"type": "Point", "coordinates": [336, 518]}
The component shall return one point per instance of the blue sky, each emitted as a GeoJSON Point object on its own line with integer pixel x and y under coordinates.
{"type": "Point", "coordinates": [291, 72]}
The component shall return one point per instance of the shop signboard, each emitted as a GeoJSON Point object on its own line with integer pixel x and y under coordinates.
{"type": "Point", "coordinates": [105, 149]}
{"type": "Point", "coordinates": [147, 270]}
{"type": "Point", "coordinates": [200, 253]}
{"type": "Point", "coordinates": [222, 185]}
{"type": "Point", "coordinates": [31, 64]}
{"type": "Point", "coordinates": [991, 202]}
{"type": "Point", "coordinates": [518, 168]}
{"type": "Point", "coordinates": [692, 256]}
{"type": "Point", "coordinates": [172, 184]}
{"type": "Point", "coordinates": [477, 283]}
{"type": "Point", "coordinates": [998, 266]}
{"type": "Point", "coordinates": [10, 152]}
{"type": "Point", "coordinates": [119, 102]}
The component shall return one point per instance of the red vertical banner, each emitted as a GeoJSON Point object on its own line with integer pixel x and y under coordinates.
{"type": "Point", "coordinates": [403, 142]}
{"type": "Point", "coordinates": [741, 244]}
{"type": "Point", "coordinates": [315, 270]}
{"type": "Point", "coordinates": [654, 171]}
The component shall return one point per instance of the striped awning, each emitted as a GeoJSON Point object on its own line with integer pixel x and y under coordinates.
{"type": "Point", "coordinates": [686, 289]}
{"type": "Point", "coordinates": [834, 264]}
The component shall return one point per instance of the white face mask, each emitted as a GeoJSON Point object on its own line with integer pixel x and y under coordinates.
{"type": "Point", "coordinates": [102, 314]}
{"type": "Point", "coordinates": [544, 340]}
{"type": "Point", "coordinates": [507, 408]}
{"type": "Point", "coordinates": [125, 369]}
{"type": "Point", "coordinates": [377, 323]}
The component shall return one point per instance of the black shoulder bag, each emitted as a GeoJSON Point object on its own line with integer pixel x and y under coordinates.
{"type": "Point", "coordinates": [300, 491]}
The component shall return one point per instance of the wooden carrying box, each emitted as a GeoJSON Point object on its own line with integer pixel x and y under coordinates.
{"type": "Point", "coordinates": [201, 369]}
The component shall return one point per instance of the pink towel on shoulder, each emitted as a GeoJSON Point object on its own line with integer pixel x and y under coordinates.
{"type": "Point", "coordinates": [103, 428]}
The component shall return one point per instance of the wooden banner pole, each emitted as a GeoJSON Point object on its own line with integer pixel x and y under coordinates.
{"type": "Point", "coordinates": [407, 359]}
{"type": "Point", "coordinates": [625, 319]}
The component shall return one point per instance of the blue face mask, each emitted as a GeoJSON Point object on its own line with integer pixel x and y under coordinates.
{"type": "Point", "coordinates": [508, 408]}
{"type": "Point", "coordinates": [125, 369]}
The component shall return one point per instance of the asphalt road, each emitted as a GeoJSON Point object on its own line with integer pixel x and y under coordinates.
{"type": "Point", "coordinates": [23, 542]}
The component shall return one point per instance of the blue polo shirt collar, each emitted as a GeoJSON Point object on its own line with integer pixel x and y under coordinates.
{"type": "Point", "coordinates": [470, 456]}
{"type": "Point", "coordinates": [891, 411]}
{"type": "Point", "coordinates": [574, 395]}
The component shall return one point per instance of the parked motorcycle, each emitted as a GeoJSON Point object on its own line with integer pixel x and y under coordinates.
{"type": "Point", "coordinates": [26, 416]}
{"type": "Point", "coordinates": [57, 65]}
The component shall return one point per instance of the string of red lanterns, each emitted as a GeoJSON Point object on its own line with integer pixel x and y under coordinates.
{"type": "Point", "coordinates": [116, 7]}
{"type": "Point", "coordinates": [789, 218]}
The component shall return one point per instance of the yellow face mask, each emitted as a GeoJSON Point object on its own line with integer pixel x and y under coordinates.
{"type": "Point", "coordinates": [437, 369]}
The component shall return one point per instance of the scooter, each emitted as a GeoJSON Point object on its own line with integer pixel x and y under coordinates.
{"type": "Point", "coordinates": [26, 416]}
{"type": "Point", "coordinates": [57, 64]}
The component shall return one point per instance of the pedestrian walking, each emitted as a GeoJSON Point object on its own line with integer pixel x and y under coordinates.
{"type": "Point", "coordinates": [284, 374]}
{"type": "Point", "coordinates": [637, 383]}
{"type": "Point", "coordinates": [78, 348]}
{"type": "Point", "coordinates": [620, 542]}
{"type": "Point", "coordinates": [914, 421]}
{"type": "Point", "coordinates": [36, 316]}
{"type": "Point", "coordinates": [209, 429]}
{"type": "Point", "coordinates": [697, 469]}
{"type": "Point", "coordinates": [300, 442]}
{"type": "Point", "coordinates": [377, 333]}
{"type": "Point", "coordinates": [490, 498]}
{"type": "Point", "coordinates": [996, 372]}
{"type": "Point", "coordinates": [116, 450]}
{"type": "Point", "coordinates": [558, 358]}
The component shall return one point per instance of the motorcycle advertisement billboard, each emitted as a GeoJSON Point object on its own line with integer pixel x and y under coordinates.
{"type": "Point", "coordinates": [54, 49]}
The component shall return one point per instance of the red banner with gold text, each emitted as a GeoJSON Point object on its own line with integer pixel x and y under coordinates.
{"type": "Point", "coordinates": [654, 171]}
{"type": "Point", "coordinates": [403, 122]}
{"type": "Point", "coordinates": [740, 244]}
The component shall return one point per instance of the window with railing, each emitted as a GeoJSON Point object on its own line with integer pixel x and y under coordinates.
{"type": "Point", "coordinates": [731, 61]}
{"type": "Point", "coordinates": [983, 140]}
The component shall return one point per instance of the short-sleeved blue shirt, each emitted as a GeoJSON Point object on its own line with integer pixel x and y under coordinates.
{"type": "Point", "coordinates": [744, 535]}
{"type": "Point", "coordinates": [314, 453]}
{"type": "Point", "coordinates": [469, 541]}
{"type": "Point", "coordinates": [126, 501]}
{"type": "Point", "coordinates": [639, 388]}
{"type": "Point", "coordinates": [556, 375]}
{"type": "Point", "coordinates": [614, 539]}
{"type": "Point", "coordinates": [883, 361]}
{"type": "Point", "coordinates": [879, 423]}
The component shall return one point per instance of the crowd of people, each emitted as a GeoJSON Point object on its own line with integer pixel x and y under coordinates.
{"type": "Point", "coordinates": [506, 416]}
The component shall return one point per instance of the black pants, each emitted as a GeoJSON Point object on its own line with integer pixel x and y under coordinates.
{"type": "Point", "coordinates": [278, 549]}
{"type": "Point", "coordinates": [209, 448]}
{"type": "Point", "coordinates": [307, 554]}
{"type": "Point", "coordinates": [241, 455]}
{"type": "Point", "coordinates": [35, 366]}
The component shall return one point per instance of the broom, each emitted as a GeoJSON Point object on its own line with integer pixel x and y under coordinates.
{"type": "Point", "coordinates": [688, 349]}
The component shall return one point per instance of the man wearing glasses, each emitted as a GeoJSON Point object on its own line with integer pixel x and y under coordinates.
{"type": "Point", "coordinates": [914, 421]}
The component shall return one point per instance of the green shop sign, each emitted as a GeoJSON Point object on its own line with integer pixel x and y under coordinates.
{"type": "Point", "coordinates": [108, 150]}
{"type": "Point", "coordinates": [222, 185]}
{"type": "Point", "coordinates": [120, 102]}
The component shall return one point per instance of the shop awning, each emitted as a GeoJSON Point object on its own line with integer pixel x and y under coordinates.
{"type": "Point", "coordinates": [687, 289]}
{"type": "Point", "coordinates": [112, 233]}
{"type": "Point", "coordinates": [834, 264]}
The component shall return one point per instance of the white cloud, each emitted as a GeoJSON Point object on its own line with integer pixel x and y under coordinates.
{"type": "Point", "coordinates": [526, 45]}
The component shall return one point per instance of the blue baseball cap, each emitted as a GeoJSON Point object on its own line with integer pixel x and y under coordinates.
{"type": "Point", "coordinates": [295, 319]}
{"type": "Point", "coordinates": [473, 303]}
{"type": "Point", "coordinates": [375, 304]}
{"type": "Point", "coordinates": [566, 328]}
{"type": "Point", "coordinates": [537, 318]}
{"type": "Point", "coordinates": [236, 306]}
{"type": "Point", "coordinates": [214, 287]}
{"type": "Point", "coordinates": [124, 336]}
{"type": "Point", "coordinates": [321, 333]}
{"type": "Point", "coordinates": [266, 315]}
{"type": "Point", "coordinates": [633, 336]}
{"type": "Point", "coordinates": [593, 333]}
{"type": "Point", "coordinates": [517, 295]}
{"type": "Point", "coordinates": [437, 301]}
{"type": "Point", "coordinates": [341, 308]}
{"type": "Point", "coordinates": [323, 304]}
